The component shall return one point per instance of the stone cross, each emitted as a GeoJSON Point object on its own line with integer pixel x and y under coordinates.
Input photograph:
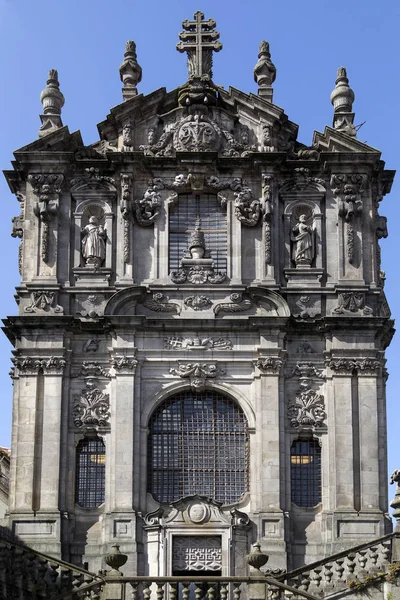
{"type": "Point", "coordinates": [199, 41]}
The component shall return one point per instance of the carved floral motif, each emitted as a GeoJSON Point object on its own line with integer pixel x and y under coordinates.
{"type": "Point", "coordinates": [237, 304]}
{"type": "Point", "coordinates": [197, 302]}
{"type": "Point", "coordinates": [193, 343]}
{"type": "Point", "coordinates": [91, 408]}
{"type": "Point", "coordinates": [31, 365]}
{"type": "Point", "coordinates": [197, 275]}
{"type": "Point", "coordinates": [307, 409]}
{"type": "Point", "coordinates": [269, 364]}
{"type": "Point", "coordinates": [247, 209]}
{"type": "Point", "coordinates": [124, 363]}
{"type": "Point", "coordinates": [198, 373]}
{"type": "Point", "coordinates": [350, 365]}
{"type": "Point", "coordinates": [158, 302]}
{"type": "Point", "coordinates": [44, 300]}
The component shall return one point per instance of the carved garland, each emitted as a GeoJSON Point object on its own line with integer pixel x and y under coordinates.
{"type": "Point", "coordinates": [47, 188]}
{"type": "Point", "coordinates": [347, 190]}
{"type": "Point", "coordinates": [126, 211]}
{"type": "Point", "coordinates": [198, 373]}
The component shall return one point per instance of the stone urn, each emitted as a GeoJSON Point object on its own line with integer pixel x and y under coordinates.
{"type": "Point", "coordinates": [256, 559]}
{"type": "Point", "coordinates": [115, 559]}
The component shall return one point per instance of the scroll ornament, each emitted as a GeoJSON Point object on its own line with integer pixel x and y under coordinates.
{"type": "Point", "coordinates": [92, 407]}
{"type": "Point", "coordinates": [198, 373]}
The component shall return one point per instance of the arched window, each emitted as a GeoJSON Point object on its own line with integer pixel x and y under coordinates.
{"type": "Point", "coordinates": [182, 222]}
{"type": "Point", "coordinates": [198, 444]}
{"type": "Point", "coordinates": [305, 472]}
{"type": "Point", "coordinates": [90, 473]}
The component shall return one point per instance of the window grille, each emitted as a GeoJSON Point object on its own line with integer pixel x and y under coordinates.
{"type": "Point", "coordinates": [305, 472]}
{"type": "Point", "coordinates": [90, 473]}
{"type": "Point", "coordinates": [198, 444]}
{"type": "Point", "coordinates": [182, 222]}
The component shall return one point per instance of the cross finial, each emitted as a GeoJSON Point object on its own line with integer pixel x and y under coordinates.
{"type": "Point", "coordinates": [199, 40]}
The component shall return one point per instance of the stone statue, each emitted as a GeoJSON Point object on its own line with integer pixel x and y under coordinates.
{"type": "Point", "coordinates": [302, 237]}
{"type": "Point", "coordinates": [93, 243]}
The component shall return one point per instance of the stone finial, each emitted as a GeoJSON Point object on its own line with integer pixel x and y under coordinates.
{"type": "Point", "coordinates": [265, 72]}
{"type": "Point", "coordinates": [130, 71]}
{"type": "Point", "coordinates": [53, 101]}
{"type": "Point", "coordinates": [115, 559]}
{"type": "Point", "coordinates": [256, 559]}
{"type": "Point", "coordinates": [342, 99]}
{"type": "Point", "coordinates": [197, 246]}
{"type": "Point", "coordinates": [395, 503]}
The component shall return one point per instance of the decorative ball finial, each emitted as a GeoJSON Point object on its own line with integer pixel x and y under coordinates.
{"type": "Point", "coordinates": [130, 71]}
{"type": "Point", "coordinates": [265, 72]}
{"type": "Point", "coordinates": [342, 99]}
{"type": "Point", "coordinates": [53, 101]}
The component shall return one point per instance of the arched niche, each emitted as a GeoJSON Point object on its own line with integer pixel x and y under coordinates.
{"type": "Point", "coordinates": [270, 299]}
{"type": "Point", "coordinates": [93, 198]}
{"type": "Point", "coordinates": [124, 302]}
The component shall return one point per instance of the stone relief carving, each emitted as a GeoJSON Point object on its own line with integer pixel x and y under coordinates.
{"type": "Point", "coordinates": [127, 135]}
{"type": "Point", "coordinates": [197, 302]}
{"type": "Point", "coordinates": [47, 188]}
{"type": "Point", "coordinates": [126, 211]}
{"type": "Point", "coordinates": [94, 243]}
{"type": "Point", "coordinates": [158, 302]}
{"type": "Point", "coordinates": [347, 190]}
{"type": "Point", "coordinates": [197, 343]}
{"type": "Point", "coordinates": [268, 211]}
{"type": "Point", "coordinates": [44, 301]}
{"type": "Point", "coordinates": [91, 306]}
{"type": "Point", "coordinates": [92, 345]}
{"type": "Point", "coordinates": [352, 302]}
{"type": "Point", "coordinates": [91, 408]}
{"type": "Point", "coordinates": [91, 369]}
{"type": "Point", "coordinates": [269, 364]}
{"type": "Point", "coordinates": [93, 179]}
{"type": "Point", "coordinates": [124, 364]}
{"type": "Point", "coordinates": [307, 409]}
{"type": "Point", "coordinates": [237, 304]}
{"type": "Point", "coordinates": [197, 266]}
{"type": "Point", "coordinates": [147, 209]}
{"type": "Point", "coordinates": [30, 365]}
{"type": "Point", "coordinates": [198, 133]}
{"type": "Point", "coordinates": [301, 180]}
{"type": "Point", "coordinates": [350, 365]}
{"type": "Point", "coordinates": [198, 373]}
{"type": "Point", "coordinates": [17, 230]}
{"type": "Point", "coordinates": [303, 242]}
{"type": "Point", "coordinates": [306, 306]}
{"type": "Point", "coordinates": [247, 209]}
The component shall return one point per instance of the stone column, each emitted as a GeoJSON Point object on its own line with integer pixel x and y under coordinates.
{"type": "Point", "coordinates": [23, 449]}
{"type": "Point", "coordinates": [270, 433]}
{"type": "Point", "coordinates": [341, 435]}
{"type": "Point", "coordinates": [122, 434]}
{"type": "Point", "coordinates": [51, 440]}
{"type": "Point", "coordinates": [369, 439]}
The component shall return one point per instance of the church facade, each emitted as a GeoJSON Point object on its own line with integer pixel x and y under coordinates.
{"type": "Point", "coordinates": [199, 349]}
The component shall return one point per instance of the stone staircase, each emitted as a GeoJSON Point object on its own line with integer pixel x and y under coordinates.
{"type": "Point", "coordinates": [352, 570]}
{"type": "Point", "coordinates": [28, 574]}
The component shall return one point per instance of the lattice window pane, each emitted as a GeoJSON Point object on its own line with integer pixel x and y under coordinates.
{"type": "Point", "coordinates": [182, 222]}
{"type": "Point", "coordinates": [90, 473]}
{"type": "Point", "coordinates": [198, 444]}
{"type": "Point", "coordinates": [305, 471]}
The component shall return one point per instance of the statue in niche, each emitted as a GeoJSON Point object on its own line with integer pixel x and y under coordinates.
{"type": "Point", "coordinates": [302, 237]}
{"type": "Point", "coordinates": [94, 243]}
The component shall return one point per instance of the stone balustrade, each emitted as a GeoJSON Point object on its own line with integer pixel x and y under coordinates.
{"type": "Point", "coordinates": [348, 569]}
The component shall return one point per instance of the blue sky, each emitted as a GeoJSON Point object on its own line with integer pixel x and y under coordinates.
{"type": "Point", "coordinates": [309, 40]}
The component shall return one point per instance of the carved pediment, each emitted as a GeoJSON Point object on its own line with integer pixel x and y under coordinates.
{"type": "Point", "coordinates": [196, 510]}
{"type": "Point", "coordinates": [333, 140]}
